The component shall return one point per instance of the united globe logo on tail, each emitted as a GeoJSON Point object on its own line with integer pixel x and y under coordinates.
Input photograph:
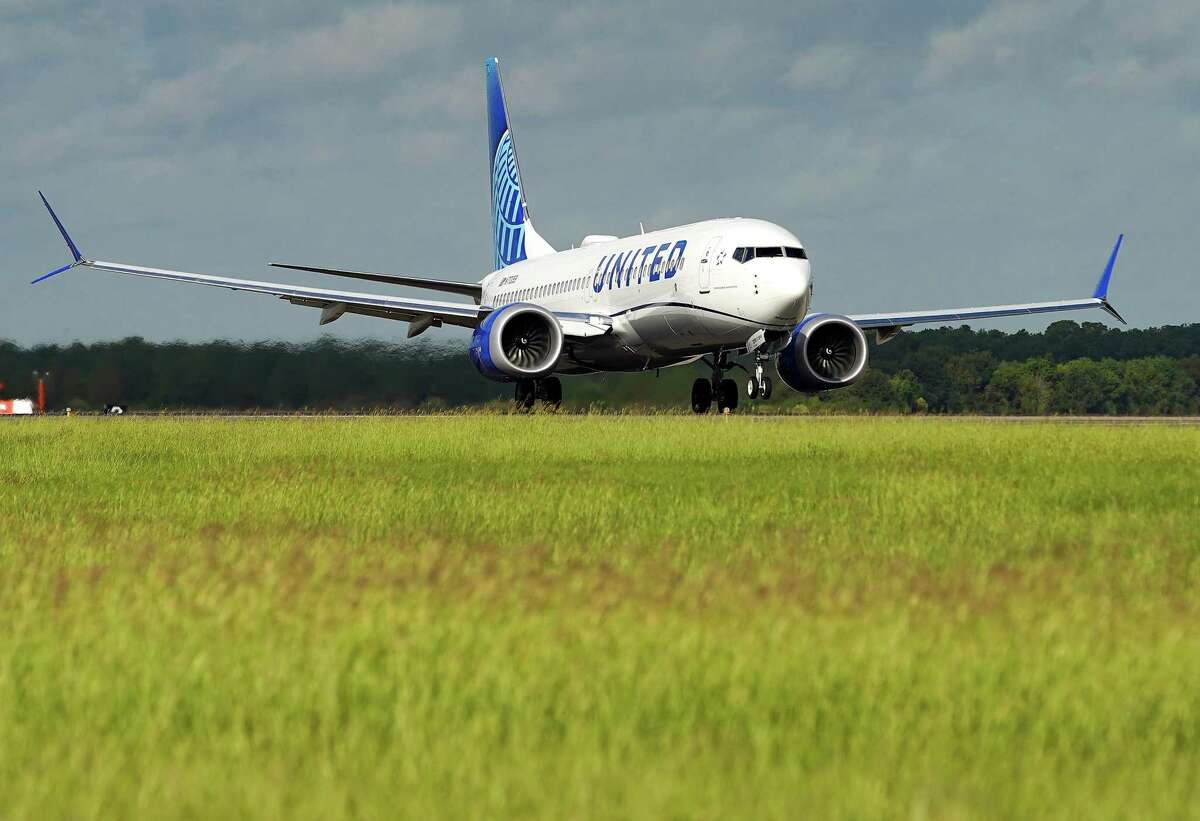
{"type": "Point", "coordinates": [508, 206]}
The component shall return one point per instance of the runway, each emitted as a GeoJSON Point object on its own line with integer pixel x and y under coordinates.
{"type": "Point", "coordinates": [1180, 421]}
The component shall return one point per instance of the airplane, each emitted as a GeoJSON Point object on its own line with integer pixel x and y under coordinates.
{"type": "Point", "coordinates": [709, 293]}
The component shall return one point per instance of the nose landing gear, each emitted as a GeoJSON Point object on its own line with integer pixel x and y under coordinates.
{"type": "Point", "coordinates": [759, 386]}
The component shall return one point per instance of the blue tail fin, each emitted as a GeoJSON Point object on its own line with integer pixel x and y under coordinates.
{"type": "Point", "coordinates": [513, 235]}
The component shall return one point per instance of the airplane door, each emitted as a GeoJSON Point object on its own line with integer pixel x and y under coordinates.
{"type": "Point", "coordinates": [706, 264]}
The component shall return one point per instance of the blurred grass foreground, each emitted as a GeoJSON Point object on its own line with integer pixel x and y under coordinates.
{"type": "Point", "coordinates": [598, 617]}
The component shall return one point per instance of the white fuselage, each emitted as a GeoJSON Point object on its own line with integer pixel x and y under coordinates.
{"type": "Point", "coordinates": [671, 295]}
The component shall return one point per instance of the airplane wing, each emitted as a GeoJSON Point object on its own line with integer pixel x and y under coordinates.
{"type": "Point", "coordinates": [331, 302]}
{"type": "Point", "coordinates": [889, 323]}
{"type": "Point", "coordinates": [421, 314]}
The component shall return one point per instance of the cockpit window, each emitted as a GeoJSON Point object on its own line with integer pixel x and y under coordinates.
{"type": "Point", "coordinates": [745, 254]}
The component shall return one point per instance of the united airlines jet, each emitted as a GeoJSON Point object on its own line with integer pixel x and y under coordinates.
{"type": "Point", "coordinates": [708, 293]}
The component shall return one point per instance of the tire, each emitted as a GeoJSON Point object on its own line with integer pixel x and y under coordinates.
{"type": "Point", "coordinates": [727, 395]}
{"type": "Point", "coordinates": [549, 392]}
{"type": "Point", "coordinates": [766, 389]}
{"type": "Point", "coordinates": [701, 396]}
{"type": "Point", "coordinates": [525, 395]}
{"type": "Point", "coordinates": [751, 388]}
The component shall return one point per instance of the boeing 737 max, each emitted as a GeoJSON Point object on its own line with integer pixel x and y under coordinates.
{"type": "Point", "coordinates": [709, 292]}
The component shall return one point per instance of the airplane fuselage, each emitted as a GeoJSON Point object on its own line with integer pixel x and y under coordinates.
{"type": "Point", "coordinates": [670, 296]}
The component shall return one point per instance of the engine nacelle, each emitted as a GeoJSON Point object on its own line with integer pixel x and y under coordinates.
{"type": "Point", "coordinates": [519, 341]}
{"type": "Point", "coordinates": [823, 352]}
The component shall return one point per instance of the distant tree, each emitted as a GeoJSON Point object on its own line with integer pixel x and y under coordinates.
{"type": "Point", "coordinates": [1154, 386]}
{"type": "Point", "coordinates": [1021, 387]}
{"type": "Point", "coordinates": [1084, 386]}
{"type": "Point", "coordinates": [1069, 368]}
{"type": "Point", "coordinates": [967, 375]}
{"type": "Point", "coordinates": [872, 393]}
{"type": "Point", "coordinates": [906, 391]}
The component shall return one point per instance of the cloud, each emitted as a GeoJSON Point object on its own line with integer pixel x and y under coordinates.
{"type": "Point", "coordinates": [1005, 34]}
{"type": "Point", "coordinates": [828, 67]}
{"type": "Point", "coordinates": [362, 43]}
{"type": "Point", "coordinates": [1071, 44]}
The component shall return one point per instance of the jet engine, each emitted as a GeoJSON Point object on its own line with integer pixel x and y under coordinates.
{"type": "Point", "coordinates": [518, 341]}
{"type": "Point", "coordinates": [823, 352]}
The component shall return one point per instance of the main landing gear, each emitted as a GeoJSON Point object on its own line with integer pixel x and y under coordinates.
{"type": "Point", "coordinates": [548, 391]}
{"type": "Point", "coordinates": [717, 387]}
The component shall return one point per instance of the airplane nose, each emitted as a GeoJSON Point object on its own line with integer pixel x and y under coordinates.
{"type": "Point", "coordinates": [805, 279]}
{"type": "Point", "coordinates": [796, 290]}
{"type": "Point", "coordinates": [787, 291]}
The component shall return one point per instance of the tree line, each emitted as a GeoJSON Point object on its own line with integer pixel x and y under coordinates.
{"type": "Point", "coordinates": [1070, 368]}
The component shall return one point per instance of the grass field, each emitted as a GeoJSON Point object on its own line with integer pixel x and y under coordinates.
{"type": "Point", "coordinates": [606, 617]}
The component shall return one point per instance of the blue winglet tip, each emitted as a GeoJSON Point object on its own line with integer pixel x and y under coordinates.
{"type": "Point", "coordinates": [66, 237]}
{"type": "Point", "coordinates": [1101, 291]}
{"type": "Point", "coordinates": [55, 272]}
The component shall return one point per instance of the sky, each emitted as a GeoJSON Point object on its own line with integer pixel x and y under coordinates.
{"type": "Point", "coordinates": [928, 153]}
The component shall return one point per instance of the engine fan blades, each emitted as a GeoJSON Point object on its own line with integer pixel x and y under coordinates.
{"type": "Point", "coordinates": [832, 357]}
{"type": "Point", "coordinates": [527, 344]}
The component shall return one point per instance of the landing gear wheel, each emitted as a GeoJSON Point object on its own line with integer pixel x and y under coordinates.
{"type": "Point", "coordinates": [759, 386]}
{"type": "Point", "coordinates": [702, 396]}
{"type": "Point", "coordinates": [549, 393]}
{"type": "Point", "coordinates": [727, 395]}
{"type": "Point", "coordinates": [525, 395]}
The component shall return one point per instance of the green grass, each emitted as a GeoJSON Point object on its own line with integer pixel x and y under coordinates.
{"type": "Point", "coordinates": [611, 617]}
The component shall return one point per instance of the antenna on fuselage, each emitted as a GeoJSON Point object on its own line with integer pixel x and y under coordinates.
{"type": "Point", "coordinates": [642, 227]}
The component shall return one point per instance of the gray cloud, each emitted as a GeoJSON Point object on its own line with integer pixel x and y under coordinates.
{"type": "Point", "coordinates": [828, 66]}
{"type": "Point", "coordinates": [927, 153]}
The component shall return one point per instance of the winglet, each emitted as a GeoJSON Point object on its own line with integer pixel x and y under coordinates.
{"type": "Point", "coordinates": [70, 243]}
{"type": "Point", "coordinates": [1101, 292]}
{"type": "Point", "coordinates": [54, 272]}
{"type": "Point", "coordinates": [79, 260]}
